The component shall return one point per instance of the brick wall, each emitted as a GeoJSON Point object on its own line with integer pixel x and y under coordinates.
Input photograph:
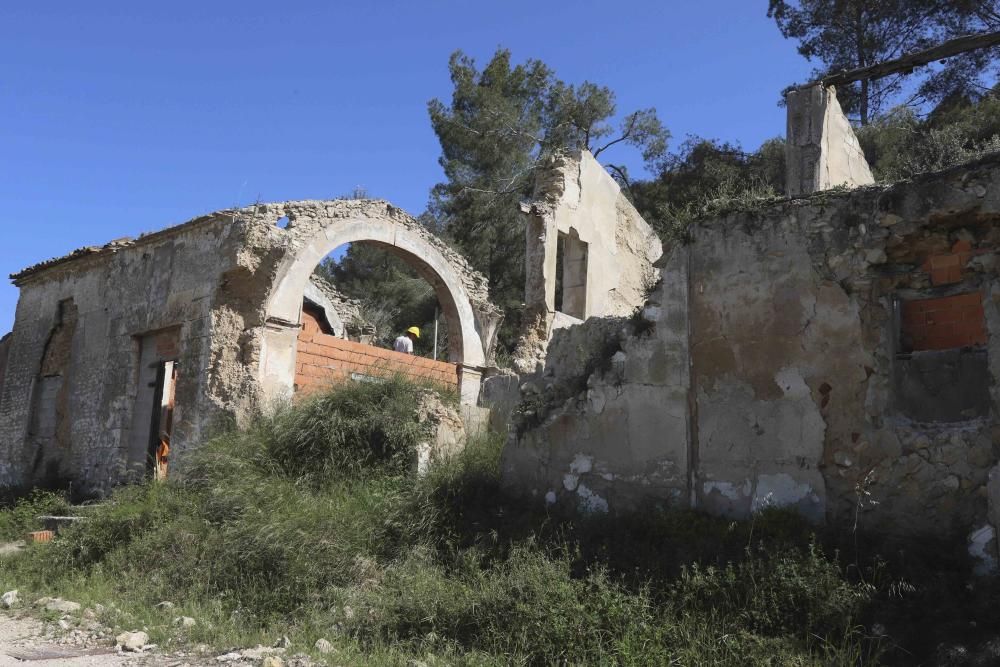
{"type": "Point", "coordinates": [943, 323]}
{"type": "Point", "coordinates": [323, 360]}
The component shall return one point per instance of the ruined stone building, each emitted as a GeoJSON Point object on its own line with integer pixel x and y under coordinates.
{"type": "Point", "coordinates": [835, 351]}
{"type": "Point", "coordinates": [117, 350]}
{"type": "Point", "coordinates": [121, 350]}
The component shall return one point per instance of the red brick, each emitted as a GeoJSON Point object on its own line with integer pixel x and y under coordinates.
{"type": "Point", "coordinates": [944, 323]}
{"type": "Point", "coordinates": [961, 247]}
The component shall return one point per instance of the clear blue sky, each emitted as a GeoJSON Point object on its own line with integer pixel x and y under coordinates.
{"type": "Point", "coordinates": [123, 117]}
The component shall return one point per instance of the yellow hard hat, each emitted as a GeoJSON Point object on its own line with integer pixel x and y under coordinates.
{"type": "Point", "coordinates": [414, 330]}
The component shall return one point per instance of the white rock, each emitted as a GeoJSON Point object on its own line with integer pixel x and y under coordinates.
{"type": "Point", "coordinates": [842, 459]}
{"type": "Point", "coordinates": [89, 614]}
{"type": "Point", "coordinates": [982, 546]}
{"type": "Point", "coordinates": [9, 599]}
{"type": "Point", "coordinates": [63, 606]}
{"type": "Point", "coordinates": [323, 646]}
{"type": "Point", "coordinates": [260, 652]}
{"type": "Point", "coordinates": [132, 641]}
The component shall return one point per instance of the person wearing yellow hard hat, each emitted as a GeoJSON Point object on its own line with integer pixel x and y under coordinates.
{"type": "Point", "coordinates": [404, 343]}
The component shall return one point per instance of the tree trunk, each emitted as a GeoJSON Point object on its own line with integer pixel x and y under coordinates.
{"type": "Point", "coordinates": [864, 101]}
{"type": "Point", "coordinates": [859, 37]}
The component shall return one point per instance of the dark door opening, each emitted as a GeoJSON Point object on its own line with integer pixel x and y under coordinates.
{"type": "Point", "coordinates": [162, 420]}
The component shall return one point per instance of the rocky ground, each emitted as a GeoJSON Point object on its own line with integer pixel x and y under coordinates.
{"type": "Point", "coordinates": [78, 639]}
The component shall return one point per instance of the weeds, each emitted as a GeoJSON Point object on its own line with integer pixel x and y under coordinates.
{"type": "Point", "coordinates": [311, 523]}
{"type": "Point", "coordinates": [22, 517]}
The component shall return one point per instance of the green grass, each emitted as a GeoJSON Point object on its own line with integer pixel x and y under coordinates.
{"type": "Point", "coordinates": [17, 520]}
{"type": "Point", "coordinates": [311, 523]}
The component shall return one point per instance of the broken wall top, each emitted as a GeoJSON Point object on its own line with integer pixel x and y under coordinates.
{"type": "Point", "coordinates": [264, 217]}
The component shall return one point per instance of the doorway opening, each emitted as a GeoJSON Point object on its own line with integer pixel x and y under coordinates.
{"type": "Point", "coordinates": [162, 421]}
{"type": "Point", "coordinates": [153, 413]}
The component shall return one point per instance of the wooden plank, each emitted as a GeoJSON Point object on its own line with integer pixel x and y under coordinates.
{"type": "Point", "coordinates": [952, 47]}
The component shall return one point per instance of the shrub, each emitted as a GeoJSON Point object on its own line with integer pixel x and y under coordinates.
{"type": "Point", "coordinates": [346, 432]}
{"type": "Point", "coordinates": [798, 592]}
{"type": "Point", "coordinates": [23, 516]}
{"type": "Point", "coordinates": [311, 522]}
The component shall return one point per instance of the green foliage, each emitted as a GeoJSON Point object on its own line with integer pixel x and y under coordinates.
{"type": "Point", "coordinates": [368, 429]}
{"type": "Point", "coordinates": [900, 144]}
{"type": "Point", "coordinates": [708, 176]}
{"type": "Point", "coordinates": [855, 33]}
{"type": "Point", "coordinates": [393, 297]}
{"type": "Point", "coordinates": [499, 125]}
{"type": "Point", "coordinates": [22, 517]}
{"type": "Point", "coordinates": [276, 532]}
{"type": "Point", "coordinates": [790, 591]}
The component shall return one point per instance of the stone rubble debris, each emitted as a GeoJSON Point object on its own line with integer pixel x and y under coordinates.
{"type": "Point", "coordinates": [10, 599]}
{"type": "Point", "coordinates": [133, 642]}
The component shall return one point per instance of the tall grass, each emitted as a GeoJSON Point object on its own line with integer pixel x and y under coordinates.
{"type": "Point", "coordinates": [311, 523]}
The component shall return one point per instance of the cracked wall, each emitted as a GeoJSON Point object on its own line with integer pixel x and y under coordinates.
{"type": "Point", "coordinates": [822, 151]}
{"type": "Point", "coordinates": [609, 252]}
{"type": "Point", "coordinates": [219, 284]}
{"type": "Point", "coordinates": [773, 367]}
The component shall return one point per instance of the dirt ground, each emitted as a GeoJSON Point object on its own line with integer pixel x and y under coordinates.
{"type": "Point", "coordinates": [24, 642]}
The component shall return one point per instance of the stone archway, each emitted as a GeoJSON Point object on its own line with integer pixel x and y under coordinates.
{"type": "Point", "coordinates": [315, 228]}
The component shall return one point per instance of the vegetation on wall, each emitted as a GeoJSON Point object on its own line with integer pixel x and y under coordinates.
{"type": "Point", "coordinates": [312, 524]}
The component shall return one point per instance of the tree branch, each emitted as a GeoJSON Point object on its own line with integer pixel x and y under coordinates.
{"type": "Point", "coordinates": [622, 175]}
{"type": "Point", "coordinates": [628, 133]}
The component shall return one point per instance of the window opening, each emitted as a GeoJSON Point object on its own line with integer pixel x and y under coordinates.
{"type": "Point", "coordinates": [571, 275]}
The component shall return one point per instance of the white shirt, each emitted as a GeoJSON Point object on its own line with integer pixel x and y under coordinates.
{"type": "Point", "coordinates": [403, 344]}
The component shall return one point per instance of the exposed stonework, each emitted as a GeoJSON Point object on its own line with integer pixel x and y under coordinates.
{"type": "Point", "coordinates": [4, 351]}
{"type": "Point", "coordinates": [314, 229]}
{"type": "Point", "coordinates": [339, 311]}
{"type": "Point", "coordinates": [219, 298]}
{"type": "Point", "coordinates": [774, 370]}
{"type": "Point", "coordinates": [580, 223]}
{"type": "Point", "coordinates": [447, 434]}
{"type": "Point", "coordinates": [821, 150]}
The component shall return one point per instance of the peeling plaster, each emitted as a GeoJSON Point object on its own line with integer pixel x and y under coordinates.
{"type": "Point", "coordinates": [769, 374]}
{"type": "Point", "coordinates": [590, 502]}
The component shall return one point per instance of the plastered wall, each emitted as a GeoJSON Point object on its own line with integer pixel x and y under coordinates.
{"type": "Point", "coordinates": [772, 370]}
{"type": "Point", "coordinates": [609, 251]}
{"type": "Point", "coordinates": [229, 288]}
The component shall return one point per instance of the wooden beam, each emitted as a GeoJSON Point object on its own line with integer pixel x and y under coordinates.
{"type": "Point", "coordinates": [908, 62]}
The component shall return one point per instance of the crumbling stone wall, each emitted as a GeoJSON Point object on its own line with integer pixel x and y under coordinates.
{"type": "Point", "coordinates": [821, 151]}
{"type": "Point", "coordinates": [79, 319]}
{"type": "Point", "coordinates": [607, 249]}
{"type": "Point", "coordinates": [339, 311]}
{"type": "Point", "coordinates": [774, 369]}
{"type": "Point", "coordinates": [4, 352]}
{"type": "Point", "coordinates": [219, 285]}
{"type": "Point", "coordinates": [316, 228]}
